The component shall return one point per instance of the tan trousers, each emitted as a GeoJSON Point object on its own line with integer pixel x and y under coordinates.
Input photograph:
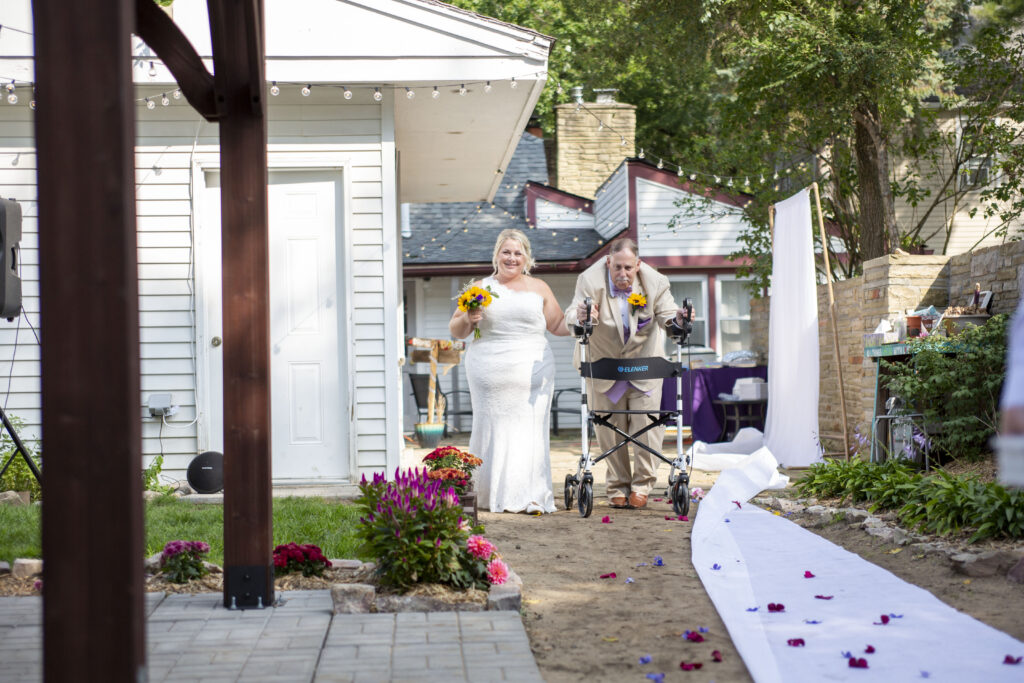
{"type": "Point", "coordinates": [620, 480]}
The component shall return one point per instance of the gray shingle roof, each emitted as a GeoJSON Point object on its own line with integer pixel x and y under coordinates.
{"type": "Point", "coordinates": [464, 232]}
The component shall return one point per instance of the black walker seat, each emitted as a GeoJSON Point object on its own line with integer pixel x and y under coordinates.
{"type": "Point", "coordinates": [580, 485]}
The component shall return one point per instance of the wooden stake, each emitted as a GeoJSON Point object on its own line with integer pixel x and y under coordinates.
{"type": "Point", "coordinates": [832, 316]}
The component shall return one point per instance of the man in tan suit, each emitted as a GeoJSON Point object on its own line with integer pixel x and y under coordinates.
{"type": "Point", "coordinates": [622, 330]}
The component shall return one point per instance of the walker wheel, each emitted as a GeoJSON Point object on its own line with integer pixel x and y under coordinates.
{"type": "Point", "coordinates": [680, 497]}
{"type": "Point", "coordinates": [586, 502]}
{"type": "Point", "coordinates": [570, 491]}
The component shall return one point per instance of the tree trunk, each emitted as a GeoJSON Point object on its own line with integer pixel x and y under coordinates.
{"type": "Point", "coordinates": [878, 235]}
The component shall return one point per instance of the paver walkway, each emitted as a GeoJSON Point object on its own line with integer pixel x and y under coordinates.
{"type": "Point", "coordinates": [191, 637]}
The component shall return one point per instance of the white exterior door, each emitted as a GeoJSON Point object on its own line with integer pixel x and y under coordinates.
{"type": "Point", "coordinates": [309, 395]}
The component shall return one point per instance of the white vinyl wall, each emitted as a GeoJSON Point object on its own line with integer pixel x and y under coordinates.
{"type": "Point", "coordinates": [171, 141]}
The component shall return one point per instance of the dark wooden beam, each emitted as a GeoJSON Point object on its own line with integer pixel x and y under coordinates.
{"type": "Point", "coordinates": [93, 620]}
{"type": "Point", "coordinates": [236, 27]}
{"type": "Point", "coordinates": [178, 55]}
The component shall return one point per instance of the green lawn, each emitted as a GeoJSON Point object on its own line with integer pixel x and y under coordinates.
{"type": "Point", "coordinates": [296, 520]}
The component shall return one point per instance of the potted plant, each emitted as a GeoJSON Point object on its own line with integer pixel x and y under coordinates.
{"type": "Point", "coordinates": [455, 468]}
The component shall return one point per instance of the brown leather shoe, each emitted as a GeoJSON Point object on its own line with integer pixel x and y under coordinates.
{"type": "Point", "coordinates": [637, 500]}
{"type": "Point", "coordinates": [618, 502]}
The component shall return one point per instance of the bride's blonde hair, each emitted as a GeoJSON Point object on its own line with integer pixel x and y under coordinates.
{"type": "Point", "coordinates": [518, 236]}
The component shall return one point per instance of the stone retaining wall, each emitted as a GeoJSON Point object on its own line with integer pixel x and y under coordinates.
{"type": "Point", "coordinates": [890, 285]}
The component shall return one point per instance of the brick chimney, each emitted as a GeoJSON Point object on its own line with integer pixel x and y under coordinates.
{"type": "Point", "coordinates": [587, 152]}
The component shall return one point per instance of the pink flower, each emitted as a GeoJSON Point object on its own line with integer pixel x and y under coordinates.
{"type": "Point", "coordinates": [796, 642]}
{"type": "Point", "coordinates": [694, 637]}
{"type": "Point", "coordinates": [884, 620]}
{"type": "Point", "coordinates": [855, 663]}
{"type": "Point", "coordinates": [497, 572]}
{"type": "Point", "coordinates": [606, 520]}
{"type": "Point", "coordinates": [738, 505]}
{"type": "Point", "coordinates": [808, 575]}
{"type": "Point", "coordinates": [480, 547]}
{"type": "Point", "coordinates": [1010, 659]}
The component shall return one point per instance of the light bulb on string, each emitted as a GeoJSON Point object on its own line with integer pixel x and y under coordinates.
{"type": "Point", "coordinates": [776, 176]}
{"type": "Point", "coordinates": [31, 104]}
{"type": "Point", "coordinates": [462, 89]}
{"type": "Point", "coordinates": [436, 93]}
{"type": "Point", "coordinates": [487, 86]}
{"type": "Point", "coordinates": [164, 99]}
{"type": "Point", "coordinates": [600, 125]}
{"type": "Point", "coordinates": [152, 70]}
{"type": "Point", "coordinates": [679, 172]}
{"type": "Point", "coordinates": [746, 181]}
{"type": "Point", "coordinates": [693, 176]}
{"type": "Point", "coordinates": [150, 104]}
{"type": "Point", "coordinates": [346, 93]}
{"type": "Point", "coordinates": [641, 154]}
{"type": "Point", "coordinates": [661, 164]}
{"type": "Point", "coordinates": [377, 95]}
{"type": "Point", "coordinates": [409, 93]}
{"type": "Point", "coordinates": [623, 142]}
{"type": "Point", "coordinates": [762, 178]}
{"type": "Point", "coordinates": [176, 94]}
{"type": "Point", "coordinates": [717, 180]}
{"type": "Point", "coordinates": [729, 184]}
{"type": "Point", "coordinates": [274, 90]}
{"type": "Point", "coordinates": [12, 95]}
{"type": "Point", "coordinates": [306, 89]}
{"type": "Point", "coordinates": [559, 90]}
{"type": "Point", "coordinates": [513, 84]}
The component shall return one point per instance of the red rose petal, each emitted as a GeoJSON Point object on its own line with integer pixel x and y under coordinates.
{"type": "Point", "coordinates": [716, 655]}
{"type": "Point", "coordinates": [883, 622]}
{"type": "Point", "coordinates": [606, 520]}
{"type": "Point", "coordinates": [1010, 659]}
{"type": "Point", "coordinates": [776, 607]}
{"type": "Point", "coordinates": [795, 642]}
{"type": "Point", "coordinates": [824, 597]}
{"type": "Point", "coordinates": [738, 504]}
{"type": "Point", "coordinates": [870, 649]}
{"type": "Point", "coordinates": [694, 637]}
{"type": "Point", "coordinates": [808, 575]}
{"type": "Point", "coordinates": [610, 575]}
{"type": "Point", "coordinates": [855, 663]}
{"type": "Point", "coordinates": [690, 666]}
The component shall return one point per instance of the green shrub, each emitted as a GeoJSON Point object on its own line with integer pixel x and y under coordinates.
{"type": "Point", "coordinates": [151, 476]}
{"type": "Point", "coordinates": [18, 476]}
{"type": "Point", "coordinates": [958, 393]}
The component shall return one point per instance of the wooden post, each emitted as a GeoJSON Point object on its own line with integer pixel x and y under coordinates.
{"type": "Point", "coordinates": [93, 618]}
{"type": "Point", "coordinates": [832, 316]}
{"type": "Point", "coordinates": [236, 27]}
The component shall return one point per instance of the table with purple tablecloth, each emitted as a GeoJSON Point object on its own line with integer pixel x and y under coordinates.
{"type": "Point", "coordinates": [708, 383]}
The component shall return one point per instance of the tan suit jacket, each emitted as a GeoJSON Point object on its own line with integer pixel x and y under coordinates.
{"type": "Point", "coordinates": [607, 340]}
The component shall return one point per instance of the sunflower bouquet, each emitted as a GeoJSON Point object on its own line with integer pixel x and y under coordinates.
{"type": "Point", "coordinates": [475, 297]}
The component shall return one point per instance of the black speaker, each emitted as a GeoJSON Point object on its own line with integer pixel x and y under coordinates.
{"type": "Point", "coordinates": [206, 472]}
{"type": "Point", "coordinates": [10, 236]}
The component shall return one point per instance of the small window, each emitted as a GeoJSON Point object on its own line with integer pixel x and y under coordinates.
{"type": "Point", "coordinates": [733, 315]}
{"type": "Point", "coordinates": [976, 170]}
{"type": "Point", "coordinates": [695, 289]}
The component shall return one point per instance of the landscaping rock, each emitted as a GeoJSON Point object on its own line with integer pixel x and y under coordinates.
{"type": "Point", "coordinates": [855, 515]}
{"type": "Point", "coordinates": [507, 596]}
{"type": "Point", "coordinates": [12, 498]}
{"type": "Point", "coordinates": [152, 563]}
{"type": "Point", "coordinates": [424, 603]}
{"type": "Point", "coordinates": [347, 565]}
{"type": "Point", "coordinates": [150, 495]}
{"type": "Point", "coordinates": [883, 532]}
{"type": "Point", "coordinates": [988, 563]}
{"type": "Point", "coordinates": [816, 509]}
{"type": "Point", "coordinates": [900, 536]}
{"type": "Point", "coordinates": [928, 548]}
{"type": "Point", "coordinates": [353, 598]}
{"type": "Point", "coordinates": [5, 568]}
{"type": "Point", "coordinates": [1017, 573]}
{"type": "Point", "coordinates": [26, 569]}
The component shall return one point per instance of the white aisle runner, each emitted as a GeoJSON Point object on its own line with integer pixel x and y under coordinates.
{"type": "Point", "coordinates": [748, 558]}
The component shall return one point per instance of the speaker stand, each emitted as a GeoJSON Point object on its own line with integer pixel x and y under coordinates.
{"type": "Point", "coordinates": [20, 448]}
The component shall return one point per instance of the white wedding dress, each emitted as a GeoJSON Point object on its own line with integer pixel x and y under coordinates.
{"type": "Point", "coordinates": [511, 373]}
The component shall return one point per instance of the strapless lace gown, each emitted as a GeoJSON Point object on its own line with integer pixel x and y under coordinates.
{"type": "Point", "coordinates": [511, 373]}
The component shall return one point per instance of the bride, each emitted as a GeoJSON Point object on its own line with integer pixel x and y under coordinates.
{"type": "Point", "coordinates": [511, 373]}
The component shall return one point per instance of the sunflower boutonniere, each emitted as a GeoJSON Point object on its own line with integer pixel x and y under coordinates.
{"type": "Point", "coordinates": [637, 302]}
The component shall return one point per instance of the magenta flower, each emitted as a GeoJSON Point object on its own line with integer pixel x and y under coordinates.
{"type": "Point", "coordinates": [796, 642]}
{"type": "Point", "coordinates": [497, 572]}
{"type": "Point", "coordinates": [606, 520]}
{"type": "Point", "coordinates": [883, 622]}
{"type": "Point", "coordinates": [693, 637]}
{"type": "Point", "coordinates": [738, 504]}
{"type": "Point", "coordinates": [690, 666]}
{"type": "Point", "coordinates": [479, 547]}
{"type": "Point", "coordinates": [716, 656]}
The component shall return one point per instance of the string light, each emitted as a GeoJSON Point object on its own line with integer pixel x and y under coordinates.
{"type": "Point", "coordinates": [436, 93]}
{"type": "Point", "coordinates": [176, 94]}
{"type": "Point", "coordinates": [150, 104]}
{"type": "Point", "coordinates": [462, 89]}
{"type": "Point", "coordinates": [164, 100]}
{"type": "Point", "coordinates": [641, 154]}
{"type": "Point", "coordinates": [152, 70]}
{"type": "Point", "coordinates": [409, 93]}
{"type": "Point", "coordinates": [487, 87]}
{"type": "Point", "coordinates": [274, 90]}
{"type": "Point", "coordinates": [306, 89]}
{"type": "Point", "coordinates": [377, 95]}
{"type": "Point", "coordinates": [346, 93]}
{"type": "Point", "coordinates": [12, 96]}
{"type": "Point", "coordinates": [661, 164]}
{"type": "Point", "coordinates": [513, 84]}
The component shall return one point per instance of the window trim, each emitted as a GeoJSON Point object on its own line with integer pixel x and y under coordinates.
{"type": "Point", "coordinates": [720, 316]}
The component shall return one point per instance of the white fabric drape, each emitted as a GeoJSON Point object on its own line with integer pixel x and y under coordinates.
{"type": "Point", "coordinates": [791, 425]}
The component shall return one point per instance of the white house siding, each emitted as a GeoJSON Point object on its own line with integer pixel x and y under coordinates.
{"type": "Point", "coordinates": [169, 139]}
{"type": "Point", "coordinates": [716, 233]}
{"type": "Point", "coordinates": [555, 216]}
{"type": "Point", "coordinates": [611, 206]}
